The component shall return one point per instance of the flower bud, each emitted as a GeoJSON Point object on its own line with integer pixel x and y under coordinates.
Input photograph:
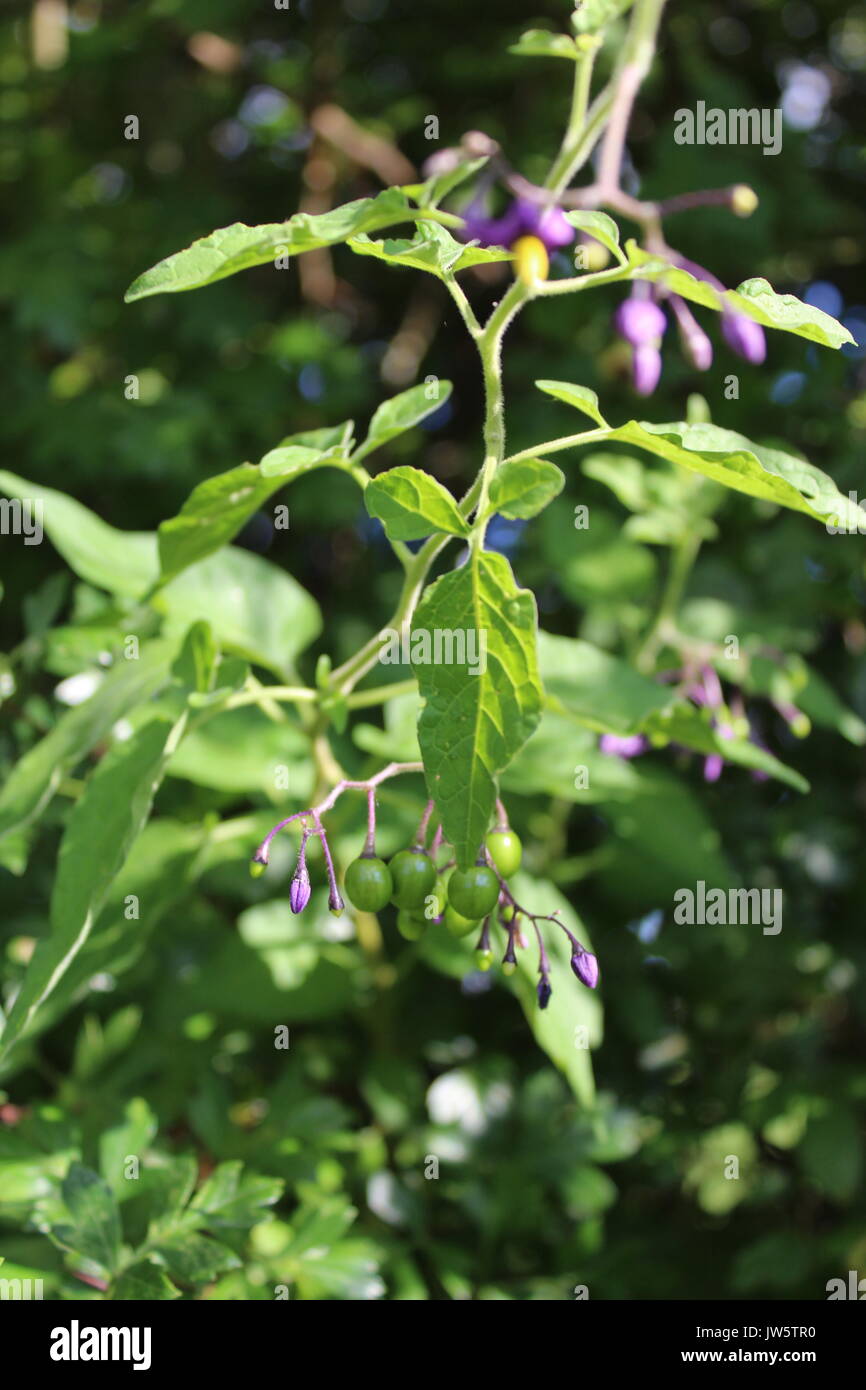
{"type": "Point", "coordinates": [745, 337]}
{"type": "Point", "coordinates": [640, 321]}
{"type": "Point", "coordinates": [335, 902]}
{"type": "Point", "coordinates": [697, 347]}
{"type": "Point", "coordinates": [585, 966]}
{"type": "Point", "coordinates": [544, 991]}
{"type": "Point", "coordinates": [300, 889]}
{"type": "Point", "coordinates": [623, 746]}
{"type": "Point", "coordinates": [646, 368]}
{"type": "Point", "coordinates": [713, 767]}
{"type": "Point", "coordinates": [744, 200]}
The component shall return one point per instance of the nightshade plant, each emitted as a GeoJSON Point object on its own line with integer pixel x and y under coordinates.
{"type": "Point", "coordinates": [191, 663]}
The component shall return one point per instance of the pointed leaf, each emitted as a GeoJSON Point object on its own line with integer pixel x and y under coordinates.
{"type": "Point", "coordinates": [756, 469]}
{"type": "Point", "coordinates": [524, 488]}
{"type": "Point", "coordinates": [231, 249]}
{"type": "Point", "coordinates": [541, 43]}
{"type": "Point", "coordinates": [402, 412]}
{"type": "Point", "coordinates": [478, 713]}
{"type": "Point", "coordinates": [432, 249]}
{"type": "Point", "coordinates": [601, 228]}
{"type": "Point", "coordinates": [410, 504]}
{"type": "Point", "coordinates": [94, 1227]}
{"type": "Point", "coordinates": [581, 397]}
{"type": "Point", "coordinates": [123, 562]}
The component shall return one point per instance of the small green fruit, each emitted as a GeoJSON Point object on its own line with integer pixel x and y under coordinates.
{"type": "Point", "coordinates": [369, 884]}
{"type": "Point", "coordinates": [410, 926]}
{"type": "Point", "coordinates": [505, 850]}
{"type": "Point", "coordinates": [413, 874]}
{"type": "Point", "coordinates": [457, 924]}
{"type": "Point", "coordinates": [473, 892]}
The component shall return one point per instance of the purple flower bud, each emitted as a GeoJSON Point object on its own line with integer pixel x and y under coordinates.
{"type": "Point", "coordinates": [549, 224]}
{"type": "Point", "coordinates": [585, 966]}
{"type": "Point", "coordinates": [335, 902]}
{"type": "Point", "coordinates": [646, 368]}
{"type": "Point", "coordinates": [697, 348]}
{"type": "Point", "coordinates": [640, 322]}
{"type": "Point", "coordinates": [745, 337]}
{"type": "Point", "coordinates": [544, 991]}
{"type": "Point", "coordinates": [630, 746]}
{"type": "Point", "coordinates": [300, 889]}
{"type": "Point", "coordinates": [713, 767]}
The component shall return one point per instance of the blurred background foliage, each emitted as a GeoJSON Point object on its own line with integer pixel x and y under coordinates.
{"type": "Point", "coordinates": [717, 1040]}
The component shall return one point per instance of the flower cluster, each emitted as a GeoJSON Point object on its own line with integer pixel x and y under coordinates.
{"type": "Point", "coordinates": [728, 718]}
{"type": "Point", "coordinates": [425, 891]}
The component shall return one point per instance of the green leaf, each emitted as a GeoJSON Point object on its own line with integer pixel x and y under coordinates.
{"type": "Point", "coordinates": [478, 714]}
{"type": "Point", "coordinates": [601, 228]}
{"type": "Point", "coordinates": [144, 1282]}
{"type": "Point", "coordinates": [94, 1227]}
{"type": "Point", "coordinates": [195, 1259]}
{"type": "Point", "coordinates": [756, 469]}
{"type": "Point", "coordinates": [410, 504]}
{"type": "Point", "coordinates": [219, 507]}
{"type": "Point", "coordinates": [123, 562]}
{"type": "Point", "coordinates": [100, 832]}
{"type": "Point", "coordinates": [755, 298]}
{"type": "Point", "coordinates": [34, 780]}
{"type": "Point", "coordinates": [541, 43]}
{"type": "Point", "coordinates": [231, 1198]}
{"type": "Point", "coordinates": [524, 488]}
{"type": "Point", "coordinates": [128, 1139]}
{"type": "Point", "coordinates": [581, 397]}
{"type": "Point", "coordinates": [438, 186]}
{"type": "Point", "coordinates": [758, 299]}
{"type": "Point", "coordinates": [598, 689]}
{"type": "Point", "coordinates": [571, 1023]}
{"type": "Point", "coordinates": [255, 609]}
{"type": "Point", "coordinates": [198, 660]}
{"type": "Point", "coordinates": [231, 249]}
{"type": "Point", "coordinates": [402, 412]}
{"type": "Point", "coordinates": [690, 727]}
{"type": "Point", "coordinates": [289, 461]}
{"type": "Point", "coordinates": [432, 249]}
{"type": "Point", "coordinates": [592, 15]}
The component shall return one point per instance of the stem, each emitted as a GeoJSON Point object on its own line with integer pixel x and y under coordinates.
{"type": "Point", "coordinates": [638, 53]}
{"type": "Point", "coordinates": [564, 167]}
{"type": "Point", "coordinates": [682, 559]}
{"type": "Point", "coordinates": [554, 446]}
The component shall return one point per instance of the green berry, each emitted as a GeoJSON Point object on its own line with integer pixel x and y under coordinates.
{"type": "Point", "coordinates": [484, 959]}
{"type": "Point", "coordinates": [257, 868]}
{"type": "Point", "coordinates": [505, 850]}
{"type": "Point", "coordinates": [414, 875]}
{"type": "Point", "coordinates": [457, 924]}
{"type": "Point", "coordinates": [473, 892]}
{"type": "Point", "coordinates": [369, 884]}
{"type": "Point", "coordinates": [410, 926]}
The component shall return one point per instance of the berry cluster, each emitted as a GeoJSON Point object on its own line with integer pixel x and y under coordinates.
{"type": "Point", "coordinates": [425, 891]}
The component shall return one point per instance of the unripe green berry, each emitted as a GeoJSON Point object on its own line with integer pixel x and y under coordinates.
{"type": "Point", "coordinates": [457, 924]}
{"type": "Point", "coordinates": [369, 884]}
{"type": "Point", "coordinates": [410, 926]}
{"type": "Point", "coordinates": [473, 892]}
{"type": "Point", "coordinates": [505, 850]}
{"type": "Point", "coordinates": [414, 875]}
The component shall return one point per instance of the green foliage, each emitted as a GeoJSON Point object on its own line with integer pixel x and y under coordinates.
{"type": "Point", "coordinates": [208, 1096]}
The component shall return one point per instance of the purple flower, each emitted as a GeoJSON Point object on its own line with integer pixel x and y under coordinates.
{"type": "Point", "coordinates": [745, 337]}
{"type": "Point", "coordinates": [300, 889]}
{"type": "Point", "coordinates": [629, 746]}
{"type": "Point", "coordinates": [640, 322]}
{"type": "Point", "coordinates": [697, 347]}
{"type": "Point", "coordinates": [646, 368]}
{"type": "Point", "coordinates": [522, 218]}
{"type": "Point", "coordinates": [585, 966]}
{"type": "Point", "coordinates": [713, 767]}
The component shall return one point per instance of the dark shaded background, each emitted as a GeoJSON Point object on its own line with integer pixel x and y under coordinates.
{"type": "Point", "coordinates": [716, 1041]}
